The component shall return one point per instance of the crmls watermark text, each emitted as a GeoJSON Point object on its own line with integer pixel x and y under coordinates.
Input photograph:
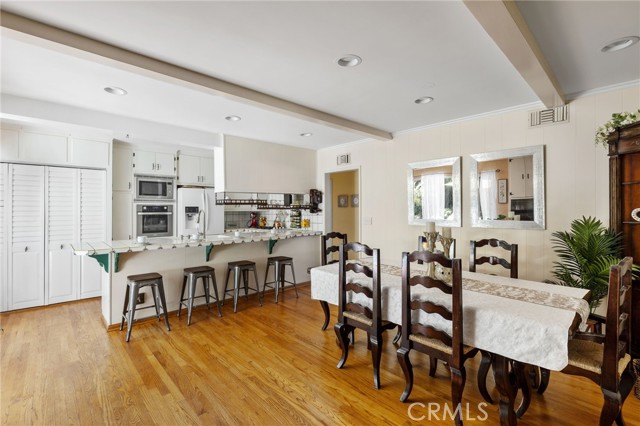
{"type": "Point", "coordinates": [434, 411]}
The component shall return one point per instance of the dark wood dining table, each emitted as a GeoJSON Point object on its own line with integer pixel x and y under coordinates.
{"type": "Point", "coordinates": [523, 323]}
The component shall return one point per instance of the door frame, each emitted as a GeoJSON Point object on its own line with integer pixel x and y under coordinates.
{"type": "Point", "coordinates": [328, 197]}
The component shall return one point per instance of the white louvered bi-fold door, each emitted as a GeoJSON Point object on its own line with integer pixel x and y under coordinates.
{"type": "Point", "coordinates": [26, 260]}
{"type": "Point", "coordinates": [4, 253]}
{"type": "Point", "coordinates": [63, 268]}
{"type": "Point", "coordinates": [93, 227]}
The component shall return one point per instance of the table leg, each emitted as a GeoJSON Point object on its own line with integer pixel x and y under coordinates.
{"type": "Point", "coordinates": [521, 372]}
{"type": "Point", "coordinates": [506, 384]}
{"type": "Point", "coordinates": [325, 309]}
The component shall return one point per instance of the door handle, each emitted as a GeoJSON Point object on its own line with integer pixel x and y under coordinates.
{"type": "Point", "coordinates": [129, 185]}
{"type": "Point", "coordinates": [26, 248]}
{"type": "Point", "coordinates": [61, 246]}
{"type": "Point", "coordinates": [153, 166]}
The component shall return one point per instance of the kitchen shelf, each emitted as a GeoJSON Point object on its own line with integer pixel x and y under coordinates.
{"type": "Point", "coordinates": [281, 207]}
{"type": "Point", "coordinates": [230, 202]}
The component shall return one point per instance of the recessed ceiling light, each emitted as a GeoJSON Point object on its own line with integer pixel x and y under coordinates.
{"type": "Point", "coordinates": [232, 118]}
{"type": "Point", "coordinates": [424, 100]}
{"type": "Point", "coordinates": [306, 135]}
{"type": "Point", "coordinates": [115, 90]}
{"type": "Point", "coordinates": [350, 60]}
{"type": "Point", "coordinates": [621, 43]}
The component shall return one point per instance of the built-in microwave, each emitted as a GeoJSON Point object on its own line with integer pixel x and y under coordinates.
{"type": "Point", "coordinates": [154, 220]}
{"type": "Point", "coordinates": [155, 188]}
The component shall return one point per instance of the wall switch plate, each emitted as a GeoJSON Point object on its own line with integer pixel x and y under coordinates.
{"type": "Point", "coordinates": [368, 220]}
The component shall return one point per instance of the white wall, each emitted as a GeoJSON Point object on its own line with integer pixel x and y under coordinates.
{"type": "Point", "coordinates": [577, 176]}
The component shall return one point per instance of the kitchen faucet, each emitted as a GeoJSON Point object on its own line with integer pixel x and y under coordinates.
{"type": "Point", "coordinates": [204, 224]}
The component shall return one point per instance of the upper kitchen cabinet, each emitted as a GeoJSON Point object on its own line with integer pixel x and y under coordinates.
{"type": "Point", "coordinates": [195, 170]}
{"type": "Point", "coordinates": [89, 153]}
{"type": "Point", "coordinates": [154, 163]}
{"type": "Point", "coordinates": [521, 177]}
{"type": "Point", "coordinates": [122, 168]}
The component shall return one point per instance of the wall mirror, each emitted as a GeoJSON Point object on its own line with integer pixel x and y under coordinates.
{"type": "Point", "coordinates": [507, 188]}
{"type": "Point", "coordinates": [433, 189]}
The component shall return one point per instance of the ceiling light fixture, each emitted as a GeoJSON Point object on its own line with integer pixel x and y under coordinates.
{"type": "Point", "coordinates": [424, 100]}
{"type": "Point", "coordinates": [350, 60]}
{"type": "Point", "coordinates": [115, 90]}
{"type": "Point", "coordinates": [306, 135]}
{"type": "Point", "coordinates": [232, 118]}
{"type": "Point", "coordinates": [621, 43]}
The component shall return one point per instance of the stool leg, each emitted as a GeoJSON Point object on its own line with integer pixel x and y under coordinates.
{"type": "Point", "coordinates": [184, 286]}
{"type": "Point", "coordinates": [255, 277]}
{"type": "Point", "coordinates": [293, 274]}
{"type": "Point", "coordinates": [192, 292]}
{"type": "Point", "coordinates": [236, 287]}
{"type": "Point", "coordinates": [245, 280]}
{"type": "Point", "coordinates": [125, 308]}
{"type": "Point", "coordinates": [266, 276]}
{"type": "Point", "coordinates": [154, 293]}
{"type": "Point", "coordinates": [207, 293]}
{"type": "Point", "coordinates": [215, 290]}
{"type": "Point", "coordinates": [226, 283]}
{"type": "Point", "coordinates": [164, 303]}
{"type": "Point", "coordinates": [278, 278]}
{"type": "Point", "coordinates": [133, 296]}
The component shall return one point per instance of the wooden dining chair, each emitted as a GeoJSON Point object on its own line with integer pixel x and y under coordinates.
{"type": "Point", "coordinates": [604, 359]}
{"type": "Point", "coordinates": [446, 345]}
{"type": "Point", "coordinates": [422, 240]}
{"type": "Point", "coordinates": [331, 243]}
{"type": "Point", "coordinates": [362, 309]}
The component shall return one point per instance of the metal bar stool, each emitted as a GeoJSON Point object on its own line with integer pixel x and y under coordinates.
{"type": "Point", "coordinates": [279, 263]}
{"type": "Point", "coordinates": [191, 275]}
{"type": "Point", "coordinates": [134, 284]}
{"type": "Point", "coordinates": [241, 267]}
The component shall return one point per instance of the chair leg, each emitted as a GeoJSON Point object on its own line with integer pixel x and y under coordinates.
{"type": "Point", "coordinates": [236, 288]}
{"type": "Point", "coordinates": [266, 276]}
{"type": "Point", "coordinates": [398, 335]}
{"type": "Point", "coordinates": [407, 369]}
{"type": "Point", "coordinates": [277, 279]}
{"type": "Point", "coordinates": [154, 293]}
{"type": "Point", "coordinates": [125, 308]}
{"type": "Point", "coordinates": [192, 292]}
{"type": "Point", "coordinates": [214, 283]}
{"type": "Point", "coordinates": [245, 280]}
{"type": "Point", "coordinates": [545, 376]}
{"type": "Point", "coordinates": [433, 365]}
{"type": "Point", "coordinates": [164, 304]}
{"type": "Point", "coordinates": [133, 296]}
{"type": "Point", "coordinates": [483, 372]}
{"type": "Point", "coordinates": [376, 356]}
{"type": "Point", "coordinates": [342, 335]}
{"type": "Point", "coordinates": [207, 291]}
{"type": "Point", "coordinates": [184, 286]}
{"type": "Point", "coordinates": [226, 284]}
{"type": "Point", "coordinates": [611, 410]}
{"type": "Point", "coordinates": [458, 379]}
{"type": "Point", "coordinates": [293, 274]}
{"type": "Point", "coordinates": [325, 310]}
{"type": "Point", "coordinates": [255, 277]}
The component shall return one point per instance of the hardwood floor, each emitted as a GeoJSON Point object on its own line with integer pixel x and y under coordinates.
{"type": "Point", "coordinates": [263, 365]}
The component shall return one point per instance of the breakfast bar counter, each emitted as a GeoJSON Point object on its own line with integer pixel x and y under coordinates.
{"type": "Point", "coordinates": [169, 257]}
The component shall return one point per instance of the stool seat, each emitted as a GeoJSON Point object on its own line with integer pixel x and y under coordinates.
{"type": "Point", "coordinates": [279, 263]}
{"type": "Point", "coordinates": [134, 284]}
{"type": "Point", "coordinates": [241, 269]}
{"type": "Point", "coordinates": [191, 275]}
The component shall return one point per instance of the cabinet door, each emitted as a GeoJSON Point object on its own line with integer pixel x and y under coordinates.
{"type": "Point", "coordinates": [516, 177]}
{"type": "Point", "coordinates": [62, 218]}
{"type": "Point", "coordinates": [165, 164]}
{"type": "Point", "coordinates": [528, 176]}
{"type": "Point", "coordinates": [4, 254]}
{"type": "Point", "coordinates": [144, 162]}
{"type": "Point", "coordinates": [122, 215]}
{"type": "Point", "coordinates": [89, 153]}
{"type": "Point", "coordinates": [188, 170]}
{"type": "Point", "coordinates": [92, 227]}
{"type": "Point", "coordinates": [206, 171]}
{"type": "Point", "coordinates": [26, 262]}
{"type": "Point", "coordinates": [42, 148]}
{"type": "Point", "coordinates": [122, 168]}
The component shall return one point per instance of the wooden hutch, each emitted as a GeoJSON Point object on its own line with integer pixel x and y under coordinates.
{"type": "Point", "coordinates": [624, 206]}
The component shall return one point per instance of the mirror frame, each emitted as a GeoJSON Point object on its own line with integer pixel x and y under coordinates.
{"type": "Point", "coordinates": [538, 221]}
{"type": "Point", "coordinates": [456, 222]}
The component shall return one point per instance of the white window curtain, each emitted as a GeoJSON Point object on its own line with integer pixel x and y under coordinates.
{"type": "Point", "coordinates": [488, 195]}
{"type": "Point", "coordinates": [433, 196]}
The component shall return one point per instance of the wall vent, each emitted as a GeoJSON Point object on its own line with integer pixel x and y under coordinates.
{"type": "Point", "coordinates": [343, 159]}
{"type": "Point", "coordinates": [549, 116]}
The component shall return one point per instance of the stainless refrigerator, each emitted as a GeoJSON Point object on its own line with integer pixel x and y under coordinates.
{"type": "Point", "coordinates": [198, 212]}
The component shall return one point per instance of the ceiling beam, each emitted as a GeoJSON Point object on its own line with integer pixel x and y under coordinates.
{"type": "Point", "coordinates": [504, 23]}
{"type": "Point", "coordinates": [154, 68]}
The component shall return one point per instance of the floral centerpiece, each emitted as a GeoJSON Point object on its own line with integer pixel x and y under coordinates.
{"type": "Point", "coordinates": [617, 120]}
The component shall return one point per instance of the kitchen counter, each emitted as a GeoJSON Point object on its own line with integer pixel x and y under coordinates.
{"type": "Point", "coordinates": [169, 257]}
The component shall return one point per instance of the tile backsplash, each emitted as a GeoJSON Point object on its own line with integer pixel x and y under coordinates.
{"type": "Point", "coordinates": [241, 219]}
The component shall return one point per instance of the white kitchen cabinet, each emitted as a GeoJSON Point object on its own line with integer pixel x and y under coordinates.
{"type": "Point", "coordinates": [26, 258]}
{"type": "Point", "coordinates": [4, 254]}
{"type": "Point", "coordinates": [42, 148]}
{"type": "Point", "coordinates": [8, 144]}
{"type": "Point", "coordinates": [92, 227]}
{"type": "Point", "coordinates": [89, 153]}
{"type": "Point", "coordinates": [122, 168]}
{"type": "Point", "coordinates": [521, 177]}
{"type": "Point", "coordinates": [194, 170]}
{"type": "Point", "coordinates": [122, 227]}
{"type": "Point", "coordinates": [62, 216]}
{"type": "Point", "coordinates": [153, 163]}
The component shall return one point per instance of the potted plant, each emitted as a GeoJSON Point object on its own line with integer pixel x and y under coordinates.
{"type": "Point", "coordinates": [586, 254]}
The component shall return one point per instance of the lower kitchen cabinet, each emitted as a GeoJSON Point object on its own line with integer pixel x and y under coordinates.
{"type": "Point", "coordinates": [26, 288]}
{"type": "Point", "coordinates": [63, 272]}
{"type": "Point", "coordinates": [122, 218]}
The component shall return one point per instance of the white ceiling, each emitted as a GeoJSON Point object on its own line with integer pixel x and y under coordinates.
{"type": "Point", "coordinates": [289, 50]}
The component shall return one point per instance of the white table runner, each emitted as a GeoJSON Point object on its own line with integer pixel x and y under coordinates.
{"type": "Point", "coordinates": [527, 330]}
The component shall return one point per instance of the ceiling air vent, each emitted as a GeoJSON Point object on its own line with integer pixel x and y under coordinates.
{"type": "Point", "coordinates": [549, 116]}
{"type": "Point", "coordinates": [343, 159]}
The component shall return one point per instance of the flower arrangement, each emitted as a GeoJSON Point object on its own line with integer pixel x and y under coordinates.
{"type": "Point", "coordinates": [617, 120]}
